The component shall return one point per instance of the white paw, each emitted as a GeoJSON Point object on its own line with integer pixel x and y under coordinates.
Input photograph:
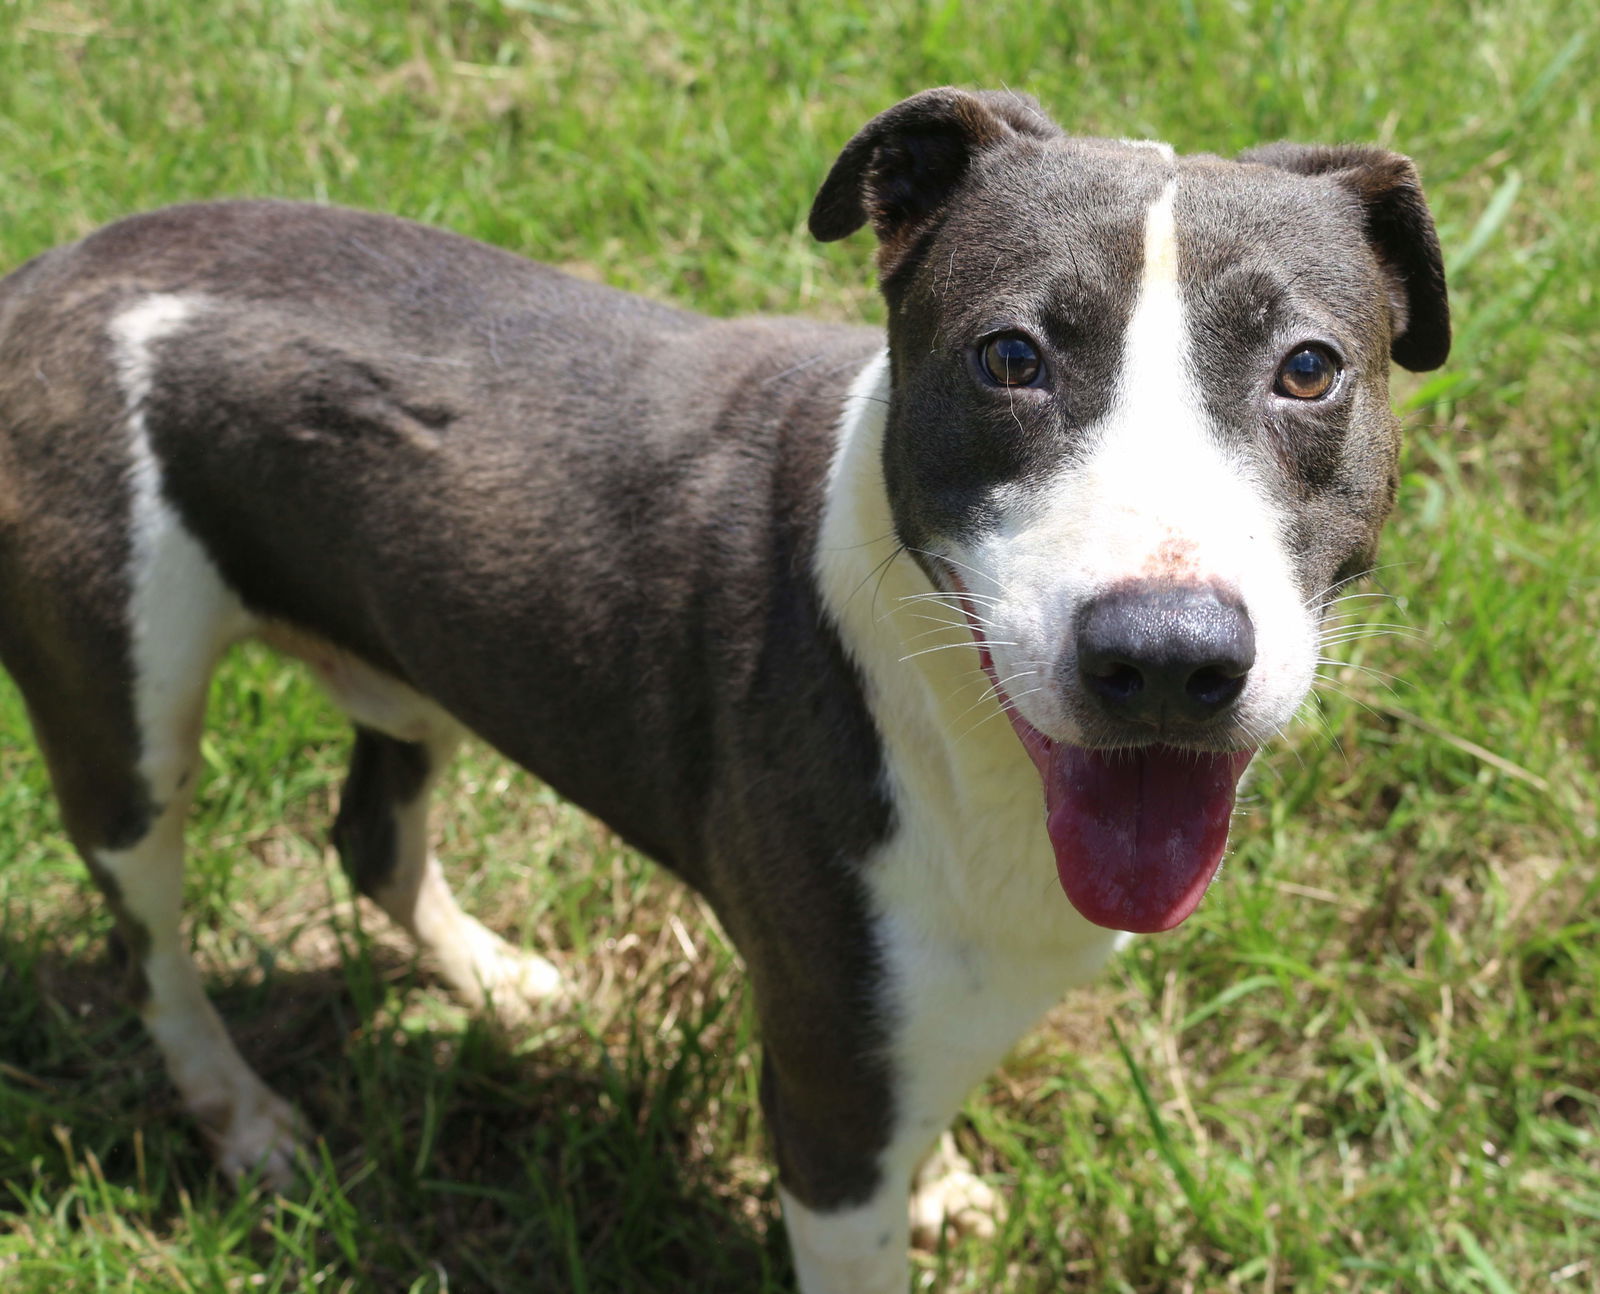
{"type": "Point", "coordinates": [506, 980]}
{"type": "Point", "coordinates": [521, 981]}
{"type": "Point", "coordinates": [946, 1192]}
{"type": "Point", "coordinates": [262, 1134]}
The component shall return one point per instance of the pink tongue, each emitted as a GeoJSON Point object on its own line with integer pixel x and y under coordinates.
{"type": "Point", "coordinates": [1138, 834]}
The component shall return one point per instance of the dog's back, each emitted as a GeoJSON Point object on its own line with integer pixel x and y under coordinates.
{"type": "Point", "coordinates": [357, 417]}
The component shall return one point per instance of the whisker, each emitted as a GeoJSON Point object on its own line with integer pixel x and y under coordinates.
{"type": "Point", "coordinates": [1348, 695]}
{"type": "Point", "coordinates": [964, 626]}
{"type": "Point", "coordinates": [939, 594]}
{"type": "Point", "coordinates": [1025, 669]}
{"type": "Point", "coordinates": [1360, 618]}
{"type": "Point", "coordinates": [942, 628]}
{"type": "Point", "coordinates": [924, 651]}
{"type": "Point", "coordinates": [983, 621]}
{"type": "Point", "coordinates": [883, 574]}
{"type": "Point", "coordinates": [1391, 681]}
{"type": "Point", "coordinates": [880, 570]}
{"type": "Point", "coordinates": [1335, 621]}
{"type": "Point", "coordinates": [940, 624]}
{"type": "Point", "coordinates": [1370, 573]}
{"type": "Point", "coordinates": [1349, 632]}
{"type": "Point", "coordinates": [996, 689]}
{"type": "Point", "coordinates": [1373, 631]}
{"type": "Point", "coordinates": [1009, 708]}
{"type": "Point", "coordinates": [944, 557]}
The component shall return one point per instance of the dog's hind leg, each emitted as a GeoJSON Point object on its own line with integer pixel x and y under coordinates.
{"type": "Point", "coordinates": [113, 618]}
{"type": "Point", "coordinates": [114, 665]}
{"type": "Point", "coordinates": [248, 1125]}
{"type": "Point", "coordinates": [382, 837]}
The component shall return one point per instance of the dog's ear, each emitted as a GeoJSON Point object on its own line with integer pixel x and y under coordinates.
{"type": "Point", "coordinates": [1400, 229]}
{"type": "Point", "coordinates": [903, 165]}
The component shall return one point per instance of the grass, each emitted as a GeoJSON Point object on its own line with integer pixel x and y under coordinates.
{"type": "Point", "coordinates": [1371, 1061]}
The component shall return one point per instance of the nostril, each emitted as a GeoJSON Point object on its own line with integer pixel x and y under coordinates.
{"type": "Point", "coordinates": [1214, 686]}
{"type": "Point", "coordinates": [1115, 681]}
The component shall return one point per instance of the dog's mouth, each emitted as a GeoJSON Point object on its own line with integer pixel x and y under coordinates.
{"type": "Point", "coordinates": [1138, 833]}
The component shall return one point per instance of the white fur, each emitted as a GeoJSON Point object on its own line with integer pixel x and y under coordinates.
{"type": "Point", "coordinates": [369, 696]}
{"type": "Point", "coordinates": [1164, 150]}
{"type": "Point", "coordinates": [862, 1250]}
{"type": "Point", "coordinates": [849, 1251]}
{"type": "Point", "coordinates": [181, 615]}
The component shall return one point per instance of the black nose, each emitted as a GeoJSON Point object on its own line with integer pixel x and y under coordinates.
{"type": "Point", "coordinates": [1165, 654]}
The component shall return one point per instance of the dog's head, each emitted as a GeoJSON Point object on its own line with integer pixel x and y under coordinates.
{"type": "Point", "coordinates": [1139, 426]}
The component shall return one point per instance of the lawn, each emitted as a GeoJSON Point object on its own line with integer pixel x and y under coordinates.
{"type": "Point", "coordinates": [1369, 1063]}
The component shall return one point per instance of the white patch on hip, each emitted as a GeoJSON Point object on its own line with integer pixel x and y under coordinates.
{"type": "Point", "coordinates": [1159, 497]}
{"type": "Point", "coordinates": [1156, 146]}
{"type": "Point", "coordinates": [181, 614]}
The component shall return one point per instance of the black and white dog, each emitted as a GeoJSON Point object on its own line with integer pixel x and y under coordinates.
{"type": "Point", "coordinates": [879, 646]}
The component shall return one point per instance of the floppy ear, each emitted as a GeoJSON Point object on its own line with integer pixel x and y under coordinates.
{"type": "Point", "coordinates": [901, 167]}
{"type": "Point", "coordinates": [1400, 229]}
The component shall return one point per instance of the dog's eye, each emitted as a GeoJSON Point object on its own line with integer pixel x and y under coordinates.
{"type": "Point", "coordinates": [1307, 374]}
{"type": "Point", "coordinates": [1010, 359]}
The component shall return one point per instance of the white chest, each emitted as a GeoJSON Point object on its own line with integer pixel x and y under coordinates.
{"type": "Point", "coordinates": [979, 938]}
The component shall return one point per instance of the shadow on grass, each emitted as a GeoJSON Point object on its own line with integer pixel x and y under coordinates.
{"type": "Point", "coordinates": [449, 1155]}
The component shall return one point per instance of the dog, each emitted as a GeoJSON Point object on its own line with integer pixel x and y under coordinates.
{"type": "Point", "coordinates": [932, 660]}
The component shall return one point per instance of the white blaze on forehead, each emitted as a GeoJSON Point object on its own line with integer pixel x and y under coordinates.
{"type": "Point", "coordinates": [1158, 467]}
{"type": "Point", "coordinates": [1155, 347]}
{"type": "Point", "coordinates": [1168, 498]}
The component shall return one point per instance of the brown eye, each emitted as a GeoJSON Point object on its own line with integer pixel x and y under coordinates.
{"type": "Point", "coordinates": [1010, 359]}
{"type": "Point", "coordinates": [1308, 374]}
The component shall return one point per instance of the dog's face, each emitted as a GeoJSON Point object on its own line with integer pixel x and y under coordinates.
{"type": "Point", "coordinates": [1140, 431]}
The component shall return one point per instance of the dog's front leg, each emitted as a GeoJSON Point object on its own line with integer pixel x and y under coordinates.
{"type": "Point", "coordinates": [862, 1247]}
{"type": "Point", "coordinates": [828, 1096]}
{"type": "Point", "coordinates": [859, 1250]}
{"type": "Point", "coordinates": [856, 1096]}
{"type": "Point", "coordinates": [855, 1093]}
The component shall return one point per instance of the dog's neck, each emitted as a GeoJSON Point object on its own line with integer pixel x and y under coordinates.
{"type": "Point", "coordinates": [943, 727]}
